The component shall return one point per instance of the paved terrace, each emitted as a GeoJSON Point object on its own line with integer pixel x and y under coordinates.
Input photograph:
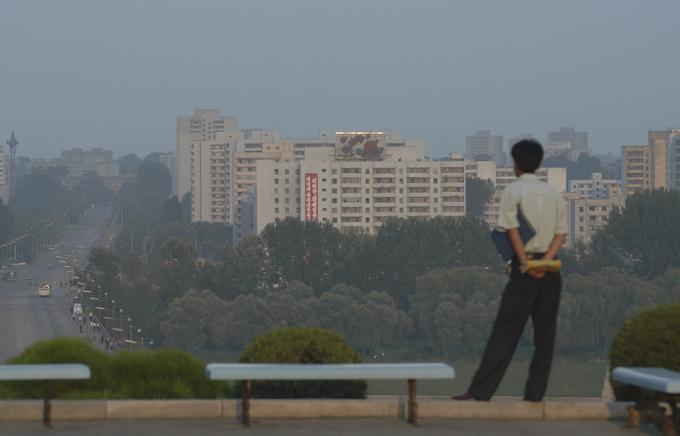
{"type": "Point", "coordinates": [353, 427]}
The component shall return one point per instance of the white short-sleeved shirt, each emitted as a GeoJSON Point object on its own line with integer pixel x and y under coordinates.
{"type": "Point", "coordinates": [542, 206]}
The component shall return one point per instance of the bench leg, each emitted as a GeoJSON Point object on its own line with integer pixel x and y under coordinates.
{"type": "Point", "coordinates": [245, 403]}
{"type": "Point", "coordinates": [47, 406]}
{"type": "Point", "coordinates": [671, 426]}
{"type": "Point", "coordinates": [412, 405]}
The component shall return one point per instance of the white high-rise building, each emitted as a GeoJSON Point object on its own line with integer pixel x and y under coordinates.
{"type": "Point", "coordinates": [211, 178]}
{"type": "Point", "coordinates": [204, 125]}
{"type": "Point", "coordinates": [359, 194]}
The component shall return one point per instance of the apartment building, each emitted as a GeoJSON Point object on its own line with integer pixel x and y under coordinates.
{"type": "Point", "coordinates": [587, 215]}
{"type": "Point", "coordinates": [483, 143]}
{"type": "Point", "coordinates": [204, 125]}
{"type": "Point", "coordinates": [596, 187]}
{"type": "Point", "coordinates": [674, 160]}
{"type": "Point", "coordinates": [358, 194]}
{"type": "Point", "coordinates": [97, 160]}
{"type": "Point", "coordinates": [566, 149]}
{"type": "Point", "coordinates": [578, 140]}
{"type": "Point", "coordinates": [659, 141]}
{"type": "Point", "coordinates": [245, 180]}
{"type": "Point", "coordinates": [637, 168]}
{"type": "Point", "coordinates": [211, 178]}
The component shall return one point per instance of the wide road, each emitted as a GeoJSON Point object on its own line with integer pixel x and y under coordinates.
{"type": "Point", "coordinates": [25, 317]}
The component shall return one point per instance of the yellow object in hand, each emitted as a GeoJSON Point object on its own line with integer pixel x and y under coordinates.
{"type": "Point", "coordinates": [550, 265]}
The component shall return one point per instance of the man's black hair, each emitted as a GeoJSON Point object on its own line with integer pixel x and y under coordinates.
{"type": "Point", "coordinates": [527, 155]}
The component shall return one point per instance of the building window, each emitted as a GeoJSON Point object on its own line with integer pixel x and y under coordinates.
{"type": "Point", "coordinates": [276, 201]}
{"type": "Point", "coordinates": [368, 220]}
{"type": "Point", "coordinates": [334, 181]}
{"type": "Point", "coordinates": [276, 181]}
{"type": "Point", "coordinates": [276, 210]}
{"type": "Point", "coordinates": [367, 210]}
{"type": "Point", "coordinates": [368, 200]}
{"type": "Point", "coordinates": [335, 220]}
{"type": "Point", "coordinates": [276, 172]}
{"type": "Point", "coordinates": [287, 171]}
{"type": "Point", "coordinates": [368, 191]}
{"type": "Point", "coordinates": [368, 171]}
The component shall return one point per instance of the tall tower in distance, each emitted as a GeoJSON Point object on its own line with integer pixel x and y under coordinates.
{"type": "Point", "coordinates": [12, 164]}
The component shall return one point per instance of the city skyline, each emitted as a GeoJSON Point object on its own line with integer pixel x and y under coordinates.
{"type": "Point", "coordinates": [116, 76]}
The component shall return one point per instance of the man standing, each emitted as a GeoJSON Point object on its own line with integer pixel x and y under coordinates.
{"type": "Point", "coordinates": [534, 294]}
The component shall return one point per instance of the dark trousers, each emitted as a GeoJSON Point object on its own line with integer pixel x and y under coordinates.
{"type": "Point", "coordinates": [523, 297]}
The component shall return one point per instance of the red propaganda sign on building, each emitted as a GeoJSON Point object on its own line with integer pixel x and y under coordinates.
{"type": "Point", "coordinates": [311, 197]}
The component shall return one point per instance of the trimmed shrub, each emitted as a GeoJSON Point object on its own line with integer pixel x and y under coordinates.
{"type": "Point", "coordinates": [159, 374]}
{"type": "Point", "coordinates": [164, 373]}
{"type": "Point", "coordinates": [302, 345]}
{"type": "Point", "coordinates": [62, 350]}
{"type": "Point", "coordinates": [650, 338]}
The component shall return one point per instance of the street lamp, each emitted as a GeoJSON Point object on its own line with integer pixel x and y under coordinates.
{"type": "Point", "coordinates": [139, 332]}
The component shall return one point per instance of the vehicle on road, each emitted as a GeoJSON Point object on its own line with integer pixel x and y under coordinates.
{"type": "Point", "coordinates": [48, 266]}
{"type": "Point", "coordinates": [44, 290]}
{"type": "Point", "coordinates": [10, 276]}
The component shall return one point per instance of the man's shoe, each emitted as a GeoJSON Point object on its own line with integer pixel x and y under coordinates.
{"type": "Point", "coordinates": [465, 397]}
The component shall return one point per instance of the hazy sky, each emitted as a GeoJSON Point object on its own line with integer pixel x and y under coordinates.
{"type": "Point", "coordinates": [116, 74]}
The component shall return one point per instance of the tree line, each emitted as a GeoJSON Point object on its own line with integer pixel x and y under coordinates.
{"type": "Point", "coordinates": [429, 287]}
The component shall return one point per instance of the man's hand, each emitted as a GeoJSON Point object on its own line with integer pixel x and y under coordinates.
{"type": "Point", "coordinates": [537, 273]}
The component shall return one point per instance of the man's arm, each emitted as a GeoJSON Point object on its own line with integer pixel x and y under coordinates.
{"type": "Point", "coordinates": [517, 245]}
{"type": "Point", "coordinates": [555, 246]}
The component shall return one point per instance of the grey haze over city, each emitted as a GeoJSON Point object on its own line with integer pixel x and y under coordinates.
{"type": "Point", "coordinates": [117, 74]}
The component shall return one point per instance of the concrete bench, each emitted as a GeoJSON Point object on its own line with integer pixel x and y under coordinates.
{"type": "Point", "coordinates": [45, 372]}
{"type": "Point", "coordinates": [247, 372]}
{"type": "Point", "coordinates": [664, 382]}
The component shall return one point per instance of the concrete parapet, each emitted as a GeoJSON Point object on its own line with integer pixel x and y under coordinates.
{"type": "Point", "coordinates": [324, 408]}
{"type": "Point", "coordinates": [77, 410]}
{"type": "Point", "coordinates": [585, 409]}
{"type": "Point", "coordinates": [231, 408]}
{"type": "Point", "coordinates": [131, 409]}
{"type": "Point", "coordinates": [383, 407]}
{"type": "Point", "coordinates": [21, 410]}
{"type": "Point", "coordinates": [480, 409]}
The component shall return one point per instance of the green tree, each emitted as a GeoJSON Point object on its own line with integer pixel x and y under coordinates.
{"type": "Point", "coordinates": [191, 320]}
{"type": "Point", "coordinates": [643, 238]}
{"type": "Point", "coordinates": [477, 196]}
{"type": "Point", "coordinates": [177, 268]}
{"type": "Point", "coordinates": [129, 163]}
{"type": "Point", "coordinates": [173, 211]}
